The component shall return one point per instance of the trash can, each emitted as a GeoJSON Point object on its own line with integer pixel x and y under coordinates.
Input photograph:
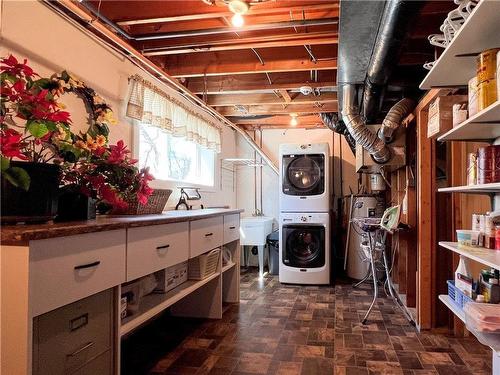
{"type": "Point", "coordinates": [274, 252]}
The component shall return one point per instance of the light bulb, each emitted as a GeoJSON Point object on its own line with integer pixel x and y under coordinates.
{"type": "Point", "coordinates": [293, 121]}
{"type": "Point", "coordinates": [237, 20]}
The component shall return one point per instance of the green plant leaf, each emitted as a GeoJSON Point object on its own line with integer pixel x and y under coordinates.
{"type": "Point", "coordinates": [5, 163]}
{"type": "Point", "coordinates": [18, 177]}
{"type": "Point", "coordinates": [37, 129]}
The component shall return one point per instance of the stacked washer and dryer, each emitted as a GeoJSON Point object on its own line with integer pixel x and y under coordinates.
{"type": "Point", "coordinates": [304, 225]}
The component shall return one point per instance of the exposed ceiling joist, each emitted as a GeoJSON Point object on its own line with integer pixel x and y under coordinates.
{"type": "Point", "coordinates": [297, 40]}
{"type": "Point", "coordinates": [277, 109]}
{"type": "Point", "coordinates": [278, 119]}
{"type": "Point", "coordinates": [214, 67]}
{"type": "Point", "coordinates": [218, 14]}
{"type": "Point", "coordinates": [257, 99]}
{"type": "Point", "coordinates": [283, 125]}
{"type": "Point", "coordinates": [285, 95]}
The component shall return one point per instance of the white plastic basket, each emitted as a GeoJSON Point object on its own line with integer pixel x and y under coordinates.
{"type": "Point", "coordinates": [203, 266]}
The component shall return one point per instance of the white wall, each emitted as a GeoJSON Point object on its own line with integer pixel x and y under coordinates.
{"type": "Point", "coordinates": [31, 30]}
{"type": "Point", "coordinates": [271, 139]}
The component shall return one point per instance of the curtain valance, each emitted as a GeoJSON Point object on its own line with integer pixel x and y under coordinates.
{"type": "Point", "coordinates": [149, 105]}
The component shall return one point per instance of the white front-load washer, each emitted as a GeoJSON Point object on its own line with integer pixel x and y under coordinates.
{"type": "Point", "coordinates": [304, 177]}
{"type": "Point", "coordinates": [304, 248]}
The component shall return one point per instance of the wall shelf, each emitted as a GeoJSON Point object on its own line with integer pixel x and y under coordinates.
{"type": "Point", "coordinates": [227, 267]}
{"type": "Point", "coordinates": [459, 313]}
{"type": "Point", "coordinates": [457, 64]}
{"type": "Point", "coordinates": [153, 304]}
{"type": "Point", "coordinates": [493, 188]}
{"type": "Point", "coordinates": [488, 257]}
{"type": "Point", "coordinates": [484, 125]}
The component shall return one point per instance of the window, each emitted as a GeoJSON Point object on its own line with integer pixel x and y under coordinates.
{"type": "Point", "coordinates": [175, 158]}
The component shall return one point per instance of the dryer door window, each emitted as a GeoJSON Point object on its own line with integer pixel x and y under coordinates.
{"type": "Point", "coordinates": [304, 246]}
{"type": "Point", "coordinates": [303, 174]}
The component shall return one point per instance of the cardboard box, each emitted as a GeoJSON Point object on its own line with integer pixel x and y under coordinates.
{"type": "Point", "coordinates": [440, 116]}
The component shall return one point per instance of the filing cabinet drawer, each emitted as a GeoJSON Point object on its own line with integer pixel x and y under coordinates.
{"type": "Point", "coordinates": [73, 335]}
{"type": "Point", "coordinates": [66, 269]}
{"type": "Point", "coordinates": [152, 248]}
{"type": "Point", "coordinates": [205, 235]}
{"type": "Point", "coordinates": [102, 365]}
{"type": "Point", "coordinates": [231, 228]}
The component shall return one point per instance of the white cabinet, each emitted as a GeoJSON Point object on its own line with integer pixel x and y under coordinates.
{"type": "Point", "coordinates": [64, 270]}
{"type": "Point", "coordinates": [231, 228]}
{"type": "Point", "coordinates": [152, 248]}
{"type": "Point", "coordinates": [205, 235]}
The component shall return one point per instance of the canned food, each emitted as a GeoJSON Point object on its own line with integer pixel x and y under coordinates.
{"type": "Point", "coordinates": [472, 169]}
{"type": "Point", "coordinates": [486, 77]}
{"type": "Point", "coordinates": [487, 93]}
{"type": "Point", "coordinates": [488, 164]}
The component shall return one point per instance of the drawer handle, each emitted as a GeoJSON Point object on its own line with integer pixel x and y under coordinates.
{"type": "Point", "coordinates": [162, 247]}
{"type": "Point", "coordinates": [232, 227]}
{"type": "Point", "coordinates": [209, 234]}
{"type": "Point", "coordinates": [88, 265]}
{"type": "Point", "coordinates": [84, 347]}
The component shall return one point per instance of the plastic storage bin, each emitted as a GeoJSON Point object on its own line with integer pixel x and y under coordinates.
{"type": "Point", "coordinates": [203, 266]}
{"type": "Point", "coordinates": [456, 295]}
{"type": "Point", "coordinates": [483, 320]}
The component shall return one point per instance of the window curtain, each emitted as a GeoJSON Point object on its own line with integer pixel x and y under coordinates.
{"type": "Point", "coordinates": [150, 105]}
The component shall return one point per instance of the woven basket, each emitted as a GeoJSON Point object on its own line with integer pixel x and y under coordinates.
{"type": "Point", "coordinates": [156, 204]}
{"type": "Point", "coordinates": [203, 266]}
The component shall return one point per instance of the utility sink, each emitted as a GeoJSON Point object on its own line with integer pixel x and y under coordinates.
{"type": "Point", "coordinates": [254, 230]}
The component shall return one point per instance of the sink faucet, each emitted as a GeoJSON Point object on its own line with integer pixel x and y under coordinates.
{"type": "Point", "coordinates": [257, 212]}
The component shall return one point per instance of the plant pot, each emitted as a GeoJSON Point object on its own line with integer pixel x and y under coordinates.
{"type": "Point", "coordinates": [74, 205]}
{"type": "Point", "coordinates": [39, 203]}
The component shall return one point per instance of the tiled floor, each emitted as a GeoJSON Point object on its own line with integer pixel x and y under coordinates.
{"type": "Point", "coordinates": [290, 330]}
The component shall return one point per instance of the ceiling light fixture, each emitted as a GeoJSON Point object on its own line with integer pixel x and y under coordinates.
{"type": "Point", "coordinates": [237, 20]}
{"type": "Point", "coordinates": [293, 120]}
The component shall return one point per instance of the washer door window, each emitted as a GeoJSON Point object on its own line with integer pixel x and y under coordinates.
{"type": "Point", "coordinates": [304, 246]}
{"type": "Point", "coordinates": [303, 174]}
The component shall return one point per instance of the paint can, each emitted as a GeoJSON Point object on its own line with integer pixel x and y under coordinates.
{"type": "Point", "coordinates": [472, 169]}
{"type": "Point", "coordinates": [488, 164]}
{"type": "Point", "coordinates": [486, 78]}
{"type": "Point", "coordinates": [473, 96]}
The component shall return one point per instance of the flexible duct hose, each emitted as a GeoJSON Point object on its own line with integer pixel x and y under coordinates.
{"type": "Point", "coordinates": [394, 117]}
{"type": "Point", "coordinates": [332, 122]}
{"type": "Point", "coordinates": [357, 127]}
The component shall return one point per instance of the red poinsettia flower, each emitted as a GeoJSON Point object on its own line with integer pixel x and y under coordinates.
{"type": "Point", "coordinates": [144, 190]}
{"type": "Point", "coordinates": [14, 67]}
{"type": "Point", "coordinates": [118, 153]}
{"type": "Point", "coordinates": [112, 197]}
{"type": "Point", "coordinates": [10, 144]}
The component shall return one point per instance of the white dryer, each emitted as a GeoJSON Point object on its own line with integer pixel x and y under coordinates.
{"type": "Point", "coordinates": [304, 248]}
{"type": "Point", "coordinates": [304, 177]}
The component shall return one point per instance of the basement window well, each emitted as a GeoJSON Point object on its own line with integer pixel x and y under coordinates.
{"type": "Point", "coordinates": [175, 158]}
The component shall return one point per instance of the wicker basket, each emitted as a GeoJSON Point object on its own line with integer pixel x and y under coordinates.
{"type": "Point", "coordinates": [156, 204]}
{"type": "Point", "coordinates": [203, 266]}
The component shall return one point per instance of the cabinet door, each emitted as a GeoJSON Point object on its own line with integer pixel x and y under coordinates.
{"type": "Point", "coordinates": [205, 235]}
{"type": "Point", "coordinates": [67, 269]}
{"type": "Point", "coordinates": [152, 248]}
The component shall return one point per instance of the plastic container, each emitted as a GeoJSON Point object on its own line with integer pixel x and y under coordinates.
{"type": "Point", "coordinates": [467, 237]}
{"type": "Point", "coordinates": [203, 266]}
{"type": "Point", "coordinates": [456, 295]}
{"type": "Point", "coordinates": [483, 320]}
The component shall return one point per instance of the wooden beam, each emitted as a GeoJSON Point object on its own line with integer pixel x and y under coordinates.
{"type": "Point", "coordinates": [259, 82]}
{"type": "Point", "coordinates": [257, 99]}
{"type": "Point", "coordinates": [285, 95]}
{"type": "Point", "coordinates": [207, 15]}
{"type": "Point", "coordinates": [278, 109]}
{"type": "Point", "coordinates": [183, 67]}
{"type": "Point", "coordinates": [241, 44]}
{"type": "Point", "coordinates": [284, 126]}
{"type": "Point", "coordinates": [278, 119]}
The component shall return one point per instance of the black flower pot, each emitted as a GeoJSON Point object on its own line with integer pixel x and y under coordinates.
{"type": "Point", "coordinates": [39, 203]}
{"type": "Point", "coordinates": [74, 205]}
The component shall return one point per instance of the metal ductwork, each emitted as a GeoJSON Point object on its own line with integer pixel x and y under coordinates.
{"type": "Point", "coordinates": [357, 127]}
{"type": "Point", "coordinates": [396, 18]}
{"type": "Point", "coordinates": [332, 122]}
{"type": "Point", "coordinates": [394, 117]}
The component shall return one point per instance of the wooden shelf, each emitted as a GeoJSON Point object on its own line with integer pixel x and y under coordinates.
{"type": "Point", "coordinates": [153, 304]}
{"type": "Point", "coordinates": [459, 313]}
{"type": "Point", "coordinates": [457, 64]}
{"type": "Point", "coordinates": [488, 257]}
{"type": "Point", "coordinates": [493, 188]}
{"type": "Point", "coordinates": [228, 267]}
{"type": "Point", "coordinates": [484, 125]}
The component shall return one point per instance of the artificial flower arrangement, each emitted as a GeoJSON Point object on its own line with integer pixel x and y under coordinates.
{"type": "Point", "coordinates": [35, 129]}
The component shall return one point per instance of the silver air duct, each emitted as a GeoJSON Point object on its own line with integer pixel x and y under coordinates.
{"type": "Point", "coordinates": [394, 117]}
{"type": "Point", "coordinates": [357, 127]}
